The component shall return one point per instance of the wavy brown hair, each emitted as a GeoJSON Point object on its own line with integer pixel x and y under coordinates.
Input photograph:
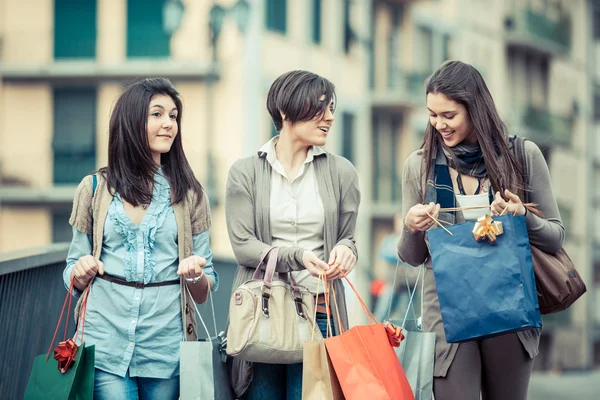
{"type": "Point", "coordinates": [464, 84]}
{"type": "Point", "coordinates": [130, 171]}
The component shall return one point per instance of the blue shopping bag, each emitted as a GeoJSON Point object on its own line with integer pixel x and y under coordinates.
{"type": "Point", "coordinates": [484, 289]}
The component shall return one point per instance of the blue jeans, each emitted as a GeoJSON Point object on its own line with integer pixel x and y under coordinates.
{"type": "Point", "coordinates": [280, 381]}
{"type": "Point", "coordinates": [108, 386]}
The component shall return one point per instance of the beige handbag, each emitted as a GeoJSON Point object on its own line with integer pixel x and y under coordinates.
{"type": "Point", "coordinates": [269, 320]}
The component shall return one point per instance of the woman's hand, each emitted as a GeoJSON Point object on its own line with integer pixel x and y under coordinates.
{"type": "Point", "coordinates": [191, 267]}
{"type": "Point", "coordinates": [84, 270]}
{"type": "Point", "coordinates": [418, 217]}
{"type": "Point", "coordinates": [341, 258]}
{"type": "Point", "coordinates": [514, 205]}
{"type": "Point", "coordinates": [314, 265]}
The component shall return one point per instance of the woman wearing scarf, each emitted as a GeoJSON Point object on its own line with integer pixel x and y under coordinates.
{"type": "Point", "coordinates": [467, 159]}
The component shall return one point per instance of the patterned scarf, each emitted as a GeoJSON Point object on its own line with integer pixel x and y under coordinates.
{"type": "Point", "coordinates": [439, 183]}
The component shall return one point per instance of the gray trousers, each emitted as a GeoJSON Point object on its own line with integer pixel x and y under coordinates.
{"type": "Point", "coordinates": [497, 368]}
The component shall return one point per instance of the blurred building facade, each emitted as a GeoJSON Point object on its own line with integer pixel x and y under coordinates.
{"type": "Point", "coordinates": [63, 66]}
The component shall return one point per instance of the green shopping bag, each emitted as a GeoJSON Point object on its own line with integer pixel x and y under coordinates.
{"type": "Point", "coordinates": [70, 374]}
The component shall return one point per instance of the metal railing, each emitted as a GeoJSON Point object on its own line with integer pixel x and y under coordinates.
{"type": "Point", "coordinates": [31, 296]}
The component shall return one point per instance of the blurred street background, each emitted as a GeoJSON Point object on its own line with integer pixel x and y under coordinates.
{"type": "Point", "coordinates": [63, 64]}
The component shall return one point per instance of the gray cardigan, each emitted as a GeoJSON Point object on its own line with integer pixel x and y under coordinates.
{"type": "Point", "coordinates": [248, 223]}
{"type": "Point", "coordinates": [546, 233]}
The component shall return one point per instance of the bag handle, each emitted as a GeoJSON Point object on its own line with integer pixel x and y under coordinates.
{"type": "Point", "coordinates": [370, 317]}
{"type": "Point", "coordinates": [329, 332]}
{"type": "Point", "coordinates": [69, 298]}
{"type": "Point", "coordinates": [272, 254]}
{"type": "Point", "coordinates": [412, 295]}
{"type": "Point", "coordinates": [212, 306]}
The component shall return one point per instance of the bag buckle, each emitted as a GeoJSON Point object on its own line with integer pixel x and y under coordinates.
{"type": "Point", "coordinates": [299, 309]}
{"type": "Point", "coordinates": [266, 295]}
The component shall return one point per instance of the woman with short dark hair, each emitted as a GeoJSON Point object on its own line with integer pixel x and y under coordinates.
{"type": "Point", "coordinates": [296, 196]}
{"type": "Point", "coordinates": [468, 159]}
{"type": "Point", "coordinates": [141, 239]}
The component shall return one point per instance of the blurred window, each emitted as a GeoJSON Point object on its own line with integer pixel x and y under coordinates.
{"type": "Point", "coordinates": [348, 136]}
{"type": "Point", "coordinates": [276, 17]}
{"type": "Point", "coordinates": [146, 36]}
{"type": "Point", "coordinates": [597, 107]}
{"type": "Point", "coordinates": [61, 230]}
{"type": "Point", "coordinates": [347, 27]}
{"type": "Point", "coordinates": [74, 138]}
{"type": "Point", "coordinates": [425, 58]}
{"type": "Point", "coordinates": [446, 47]}
{"type": "Point", "coordinates": [74, 29]}
{"type": "Point", "coordinates": [317, 20]}
{"type": "Point", "coordinates": [387, 186]}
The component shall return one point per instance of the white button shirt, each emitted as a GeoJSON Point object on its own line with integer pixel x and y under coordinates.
{"type": "Point", "coordinates": [297, 212]}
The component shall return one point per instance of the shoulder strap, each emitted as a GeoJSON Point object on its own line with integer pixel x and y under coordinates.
{"type": "Point", "coordinates": [519, 146]}
{"type": "Point", "coordinates": [94, 184]}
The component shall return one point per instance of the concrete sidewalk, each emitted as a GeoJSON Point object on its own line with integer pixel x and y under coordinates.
{"type": "Point", "coordinates": [570, 385]}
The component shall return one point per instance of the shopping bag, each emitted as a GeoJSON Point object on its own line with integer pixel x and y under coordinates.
{"type": "Point", "coordinates": [417, 349]}
{"type": "Point", "coordinates": [484, 289]}
{"type": "Point", "coordinates": [70, 374]}
{"type": "Point", "coordinates": [319, 381]}
{"type": "Point", "coordinates": [365, 363]}
{"type": "Point", "coordinates": [203, 374]}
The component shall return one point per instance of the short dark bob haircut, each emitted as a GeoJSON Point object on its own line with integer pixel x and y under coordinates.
{"type": "Point", "coordinates": [130, 171]}
{"type": "Point", "coordinates": [297, 94]}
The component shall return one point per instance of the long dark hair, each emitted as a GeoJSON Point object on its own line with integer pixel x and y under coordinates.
{"type": "Point", "coordinates": [464, 84]}
{"type": "Point", "coordinates": [130, 171]}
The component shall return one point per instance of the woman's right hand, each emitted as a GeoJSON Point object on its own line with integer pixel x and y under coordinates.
{"type": "Point", "coordinates": [84, 270]}
{"type": "Point", "coordinates": [313, 264]}
{"type": "Point", "coordinates": [418, 217]}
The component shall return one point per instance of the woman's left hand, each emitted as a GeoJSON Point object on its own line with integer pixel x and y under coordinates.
{"type": "Point", "coordinates": [341, 258]}
{"type": "Point", "coordinates": [513, 206]}
{"type": "Point", "coordinates": [191, 267]}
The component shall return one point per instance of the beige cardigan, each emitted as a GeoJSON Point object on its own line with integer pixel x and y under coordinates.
{"type": "Point", "coordinates": [192, 216]}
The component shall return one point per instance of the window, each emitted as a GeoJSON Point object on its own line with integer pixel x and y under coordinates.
{"type": "Point", "coordinates": [386, 180]}
{"type": "Point", "coordinates": [61, 230]}
{"type": "Point", "coordinates": [347, 27]}
{"type": "Point", "coordinates": [74, 140]}
{"type": "Point", "coordinates": [276, 18]}
{"type": "Point", "coordinates": [146, 36]}
{"type": "Point", "coordinates": [74, 29]}
{"type": "Point", "coordinates": [394, 53]}
{"type": "Point", "coordinates": [597, 107]}
{"type": "Point", "coordinates": [596, 21]}
{"type": "Point", "coordinates": [348, 136]}
{"type": "Point", "coordinates": [445, 47]}
{"type": "Point", "coordinates": [425, 59]}
{"type": "Point", "coordinates": [317, 20]}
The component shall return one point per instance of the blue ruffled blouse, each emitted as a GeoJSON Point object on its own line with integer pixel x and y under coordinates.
{"type": "Point", "coordinates": [138, 330]}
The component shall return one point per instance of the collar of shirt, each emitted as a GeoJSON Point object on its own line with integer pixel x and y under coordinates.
{"type": "Point", "coordinates": [268, 151]}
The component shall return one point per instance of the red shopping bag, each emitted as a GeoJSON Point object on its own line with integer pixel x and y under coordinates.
{"type": "Point", "coordinates": [365, 363]}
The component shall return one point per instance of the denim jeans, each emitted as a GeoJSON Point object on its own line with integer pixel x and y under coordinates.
{"type": "Point", "coordinates": [280, 381]}
{"type": "Point", "coordinates": [108, 386]}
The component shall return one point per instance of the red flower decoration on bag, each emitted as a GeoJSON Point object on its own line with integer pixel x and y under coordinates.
{"type": "Point", "coordinates": [65, 354]}
{"type": "Point", "coordinates": [394, 334]}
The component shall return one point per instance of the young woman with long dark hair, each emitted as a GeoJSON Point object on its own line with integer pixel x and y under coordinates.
{"type": "Point", "coordinates": [141, 239]}
{"type": "Point", "coordinates": [468, 159]}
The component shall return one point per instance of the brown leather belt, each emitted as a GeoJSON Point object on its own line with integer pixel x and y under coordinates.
{"type": "Point", "coordinates": [137, 285]}
{"type": "Point", "coordinates": [321, 304]}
